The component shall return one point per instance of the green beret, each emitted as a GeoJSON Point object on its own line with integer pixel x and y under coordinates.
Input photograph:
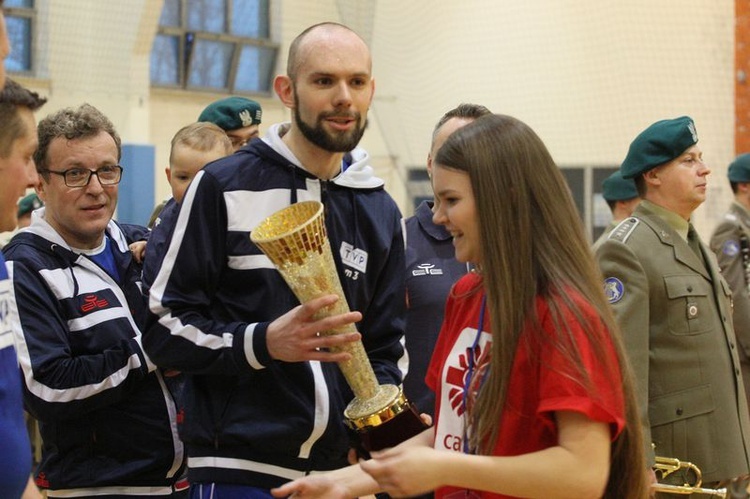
{"type": "Point", "coordinates": [658, 144]}
{"type": "Point", "coordinates": [616, 188]}
{"type": "Point", "coordinates": [232, 113]}
{"type": "Point", "coordinates": [28, 203]}
{"type": "Point", "coordinates": [739, 169]}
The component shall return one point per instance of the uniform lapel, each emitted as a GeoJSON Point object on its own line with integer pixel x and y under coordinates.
{"type": "Point", "coordinates": [670, 237]}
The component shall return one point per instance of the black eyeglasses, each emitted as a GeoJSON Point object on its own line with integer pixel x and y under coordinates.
{"type": "Point", "coordinates": [80, 177]}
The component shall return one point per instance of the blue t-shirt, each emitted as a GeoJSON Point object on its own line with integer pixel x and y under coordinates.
{"type": "Point", "coordinates": [15, 449]}
{"type": "Point", "coordinates": [105, 258]}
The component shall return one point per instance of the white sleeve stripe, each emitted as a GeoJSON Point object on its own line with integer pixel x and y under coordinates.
{"type": "Point", "coordinates": [403, 232]}
{"type": "Point", "coordinates": [243, 464]}
{"type": "Point", "coordinates": [194, 334]}
{"type": "Point", "coordinates": [156, 491]}
{"type": "Point", "coordinates": [156, 293]}
{"type": "Point", "coordinates": [322, 410]}
{"type": "Point", "coordinates": [49, 394]}
{"type": "Point", "coordinates": [249, 262]}
{"type": "Point", "coordinates": [90, 320]}
{"type": "Point", "coordinates": [252, 359]}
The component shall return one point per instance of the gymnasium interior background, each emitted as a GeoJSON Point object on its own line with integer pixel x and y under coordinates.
{"type": "Point", "coordinates": [587, 75]}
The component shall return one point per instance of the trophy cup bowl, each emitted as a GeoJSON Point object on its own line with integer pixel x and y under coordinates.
{"type": "Point", "coordinates": [295, 240]}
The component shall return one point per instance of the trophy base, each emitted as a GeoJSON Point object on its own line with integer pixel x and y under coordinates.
{"type": "Point", "coordinates": [388, 425]}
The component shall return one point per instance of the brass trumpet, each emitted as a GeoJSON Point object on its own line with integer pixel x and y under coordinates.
{"type": "Point", "coordinates": [665, 466]}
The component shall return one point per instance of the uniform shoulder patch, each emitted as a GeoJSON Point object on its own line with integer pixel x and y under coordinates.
{"type": "Point", "coordinates": [614, 289]}
{"type": "Point", "coordinates": [730, 247]}
{"type": "Point", "coordinates": [624, 229]}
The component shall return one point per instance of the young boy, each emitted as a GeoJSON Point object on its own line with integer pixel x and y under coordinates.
{"type": "Point", "coordinates": [193, 147]}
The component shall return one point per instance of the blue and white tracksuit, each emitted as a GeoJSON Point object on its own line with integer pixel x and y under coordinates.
{"type": "Point", "coordinates": [106, 418]}
{"type": "Point", "coordinates": [251, 419]}
{"type": "Point", "coordinates": [15, 449]}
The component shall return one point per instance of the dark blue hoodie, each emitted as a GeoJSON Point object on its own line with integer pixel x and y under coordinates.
{"type": "Point", "coordinates": [251, 419]}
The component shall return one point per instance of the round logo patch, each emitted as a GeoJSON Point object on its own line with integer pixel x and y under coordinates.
{"type": "Point", "coordinates": [613, 289]}
{"type": "Point", "coordinates": [730, 248]}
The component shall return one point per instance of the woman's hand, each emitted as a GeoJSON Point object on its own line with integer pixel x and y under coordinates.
{"type": "Point", "coordinates": [312, 487]}
{"type": "Point", "coordinates": [406, 471]}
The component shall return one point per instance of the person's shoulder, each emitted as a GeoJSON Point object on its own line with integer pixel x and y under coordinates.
{"type": "Point", "coordinates": [254, 165]}
{"type": "Point", "coordinates": [132, 232]}
{"type": "Point", "coordinates": [23, 244]}
{"type": "Point", "coordinates": [33, 252]}
{"type": "Point", "coordinates": [170, 206]}
{"type": "Point", "coordinates": [730, 222]}
{"type": "Point", "coordinates": [625, 230]}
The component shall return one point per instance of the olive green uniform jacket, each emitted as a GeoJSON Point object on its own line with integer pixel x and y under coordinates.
{"type": "Point", "coordinates": [727, 242]}
{"type": "Point", "coordinates": [674, 315]}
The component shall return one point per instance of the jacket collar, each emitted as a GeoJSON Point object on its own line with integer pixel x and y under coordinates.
{"type": "Point", "coordinates": [669, 236]}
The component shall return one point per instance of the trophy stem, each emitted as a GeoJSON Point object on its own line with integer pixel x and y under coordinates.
{"type": "Point", "coordinates": [295, 240]}
{"type": "Point", "coordinates": [358, 372]}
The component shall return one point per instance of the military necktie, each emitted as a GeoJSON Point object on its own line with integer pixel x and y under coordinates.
{"type": "Point", "coordinates": [694, 242]}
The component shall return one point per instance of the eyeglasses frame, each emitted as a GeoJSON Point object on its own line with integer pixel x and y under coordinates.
{"type": "Point", "coordinates": [64, 175]}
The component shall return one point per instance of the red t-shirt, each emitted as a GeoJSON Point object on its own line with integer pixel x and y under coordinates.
{"type": "Point", "coordinates": [537, 386]}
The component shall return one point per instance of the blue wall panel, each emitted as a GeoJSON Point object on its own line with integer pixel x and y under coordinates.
{"type": "Point", "coordinates": [136, 193]}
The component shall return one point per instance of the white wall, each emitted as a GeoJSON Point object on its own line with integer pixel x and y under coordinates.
{"type": "Point", "coordinates": [587, 75]}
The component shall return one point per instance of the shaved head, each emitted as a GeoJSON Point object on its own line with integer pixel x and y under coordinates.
{"type": "Point", "coordinates": [301, 46]}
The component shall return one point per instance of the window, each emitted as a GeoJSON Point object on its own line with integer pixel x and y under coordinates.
{"type": "Point", "coordinates": [215, 45]}
{"type": "Point", "coordinates": [20, 17]}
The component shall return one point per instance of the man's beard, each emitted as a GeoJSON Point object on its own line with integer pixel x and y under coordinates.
{"type": "Point", "coordinates": [343, 142]}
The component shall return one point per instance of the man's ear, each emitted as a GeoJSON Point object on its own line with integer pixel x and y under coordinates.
{"type": "Point", "coordinates": [652, 176]}
{"type": "Point", "coordinates": [284, 88]}
{"type": "Point", "coordinates": [168, 171]}
{"type": "Point", "coordinates": [39, 188]}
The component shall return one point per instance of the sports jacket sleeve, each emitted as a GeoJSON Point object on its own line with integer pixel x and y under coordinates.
{"type": "Point", "coordinates": [183, 332]}
{"type": "Point", "coordinates": [66, 373]}
{"type": "Point", "coordinates": [383, 322]}
{"type": "Point", "coordinates": [618, 263]}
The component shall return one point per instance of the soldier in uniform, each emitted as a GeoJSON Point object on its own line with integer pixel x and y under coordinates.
{"type": "Point", "coordinates": [731, 243]}
{"type": "Point", "coordinates": [673, 308]}
{"type": "Point", "coordinates": [621, 197]}
{"type": "Point", "coordinates": [237, 116]}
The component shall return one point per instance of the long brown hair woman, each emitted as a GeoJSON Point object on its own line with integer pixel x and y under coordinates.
{"type": "Point", "coordinates": [533, 392]}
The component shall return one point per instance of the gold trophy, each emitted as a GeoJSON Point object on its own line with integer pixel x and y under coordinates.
{"type": "Point", "coordinates": [295, 240]}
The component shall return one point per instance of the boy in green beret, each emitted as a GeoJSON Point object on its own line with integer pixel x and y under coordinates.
{"type": "Point", "coordinates": [237, 116]}
{"type": "Point", "coordinates": [673, 308]}
{"type": "Point", "coordinates": [731, 243]}
{"type": "Point", "coordinates": [621, 197]}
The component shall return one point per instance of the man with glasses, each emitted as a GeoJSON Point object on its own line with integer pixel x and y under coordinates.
{"type": "Point", "coordinates": [107, 419]}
